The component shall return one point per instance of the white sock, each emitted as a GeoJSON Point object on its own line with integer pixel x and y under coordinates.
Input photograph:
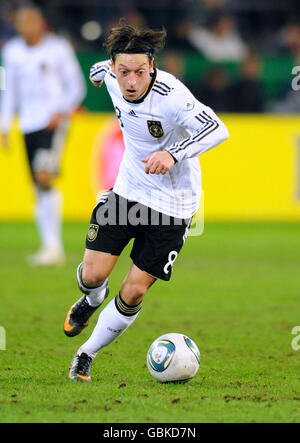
{"type": "Point", "coordinates": [48, 215]}
{"type": "Point", "coordinates": [96, 295]}
{"type": "Point", "coordinates": [111, 324]}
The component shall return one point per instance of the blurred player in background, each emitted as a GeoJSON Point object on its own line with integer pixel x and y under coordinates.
{"type": "Point", "coordinates": [165, 128]}
{"type": "Point", "coordinates": [44, 86]}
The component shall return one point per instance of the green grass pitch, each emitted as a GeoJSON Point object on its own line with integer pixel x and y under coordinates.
{"type": "Point", "coordinates": [234, 291]}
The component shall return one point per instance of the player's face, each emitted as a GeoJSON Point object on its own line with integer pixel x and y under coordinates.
{"type": "Point", "coordinates": [133, 74]}
{"type": "Point", "coordinates": [30, 25]}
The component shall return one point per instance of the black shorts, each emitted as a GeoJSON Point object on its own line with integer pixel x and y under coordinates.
{"type": "Point", "coordinates": [44, 149]}
{"type": "Point", "coordinates": [158, 238]}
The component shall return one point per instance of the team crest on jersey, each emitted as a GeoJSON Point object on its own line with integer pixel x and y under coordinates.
{"type": "Point", "coordinates": [155, 128]}
{"type": "Point", "coordinates": [92, 232]}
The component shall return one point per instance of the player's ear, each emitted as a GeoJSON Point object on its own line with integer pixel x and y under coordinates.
{"type": "Point", "coordinates": [112, 66]}
{"type": "Point", "coordinates": [152, 64]}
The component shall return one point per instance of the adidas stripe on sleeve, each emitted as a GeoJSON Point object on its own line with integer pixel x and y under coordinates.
{"type": "Point", "coordinates": [205, 128]}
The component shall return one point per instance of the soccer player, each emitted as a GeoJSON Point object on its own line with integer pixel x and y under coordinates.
{"type": "Point", "coordinates": [44, 85]}
{"type": "Point", "coordinates": [156, 193]}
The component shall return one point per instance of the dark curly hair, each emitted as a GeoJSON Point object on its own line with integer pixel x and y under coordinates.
{"type": "Point", "coordinates": [128, 39]}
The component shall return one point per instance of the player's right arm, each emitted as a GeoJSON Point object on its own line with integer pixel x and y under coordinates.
{"type": "Point", "coordinates": [98, 72]}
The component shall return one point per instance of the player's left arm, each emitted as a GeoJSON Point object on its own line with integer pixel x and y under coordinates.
{"type": "Point", "coordinates": [205, 128]}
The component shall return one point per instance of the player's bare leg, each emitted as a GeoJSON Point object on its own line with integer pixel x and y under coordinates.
{"type": "Point", "coordinates": [92, 278]}
{"type": "Point", "coordinates": [135, 285]}
{"type": "Point", "coordinates": [115, 318]}
{"type": "Point", "coordinates": [97, 266]}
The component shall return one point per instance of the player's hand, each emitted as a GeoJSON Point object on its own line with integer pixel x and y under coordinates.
{"type": "Point", "coordinates": [5, 141]}
{"type": "Point", "coordinates": [158, 163]}
{"type": "Point", "coordinates": [97, 74]}
{"type": "Point", "coordinates": [97, 84]}
{"type": "Point", "coordinates": [55, 121]}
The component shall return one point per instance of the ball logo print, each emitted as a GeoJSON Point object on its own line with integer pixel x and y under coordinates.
{"type": "Point", "coordinates": [161, 354]}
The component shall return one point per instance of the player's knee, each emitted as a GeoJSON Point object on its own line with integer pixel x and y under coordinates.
{"type": "Point", "coordinates": [43, 179]}
{"type": "Point", "coordinates": [92, 277]}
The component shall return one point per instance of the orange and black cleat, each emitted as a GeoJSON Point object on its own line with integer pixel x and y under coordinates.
{"type": "Point", "coordinates": [80, 367]}
{"type": "Point", "coordinates": [78, 316]}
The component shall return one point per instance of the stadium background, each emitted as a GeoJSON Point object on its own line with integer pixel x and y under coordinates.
{"type": "Point", "coordinates": [255, 174]}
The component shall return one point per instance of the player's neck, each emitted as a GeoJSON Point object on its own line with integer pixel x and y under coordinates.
{"type": "Point", "coordinates": [146, 89]}
{"type": "Point", "coordinates": [35, 40]}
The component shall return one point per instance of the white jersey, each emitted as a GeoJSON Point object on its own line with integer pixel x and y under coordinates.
{"type": "Point", "coordinates": [41, 80]}
{"type": "Point", "coordinates": [167, 117]}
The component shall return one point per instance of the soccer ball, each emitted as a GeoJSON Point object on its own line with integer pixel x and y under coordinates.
{"type": "Point", "coordinates": [173, 357]}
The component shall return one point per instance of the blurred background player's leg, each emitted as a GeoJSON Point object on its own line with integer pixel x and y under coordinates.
{"type": "Point", "coordinates": [44, 151]}
{"type": "Point", "coordinates": [48, 218]}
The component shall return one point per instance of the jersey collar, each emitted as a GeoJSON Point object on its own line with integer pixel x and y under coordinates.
{"type": "Point", "coordinates": [142, 98]}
